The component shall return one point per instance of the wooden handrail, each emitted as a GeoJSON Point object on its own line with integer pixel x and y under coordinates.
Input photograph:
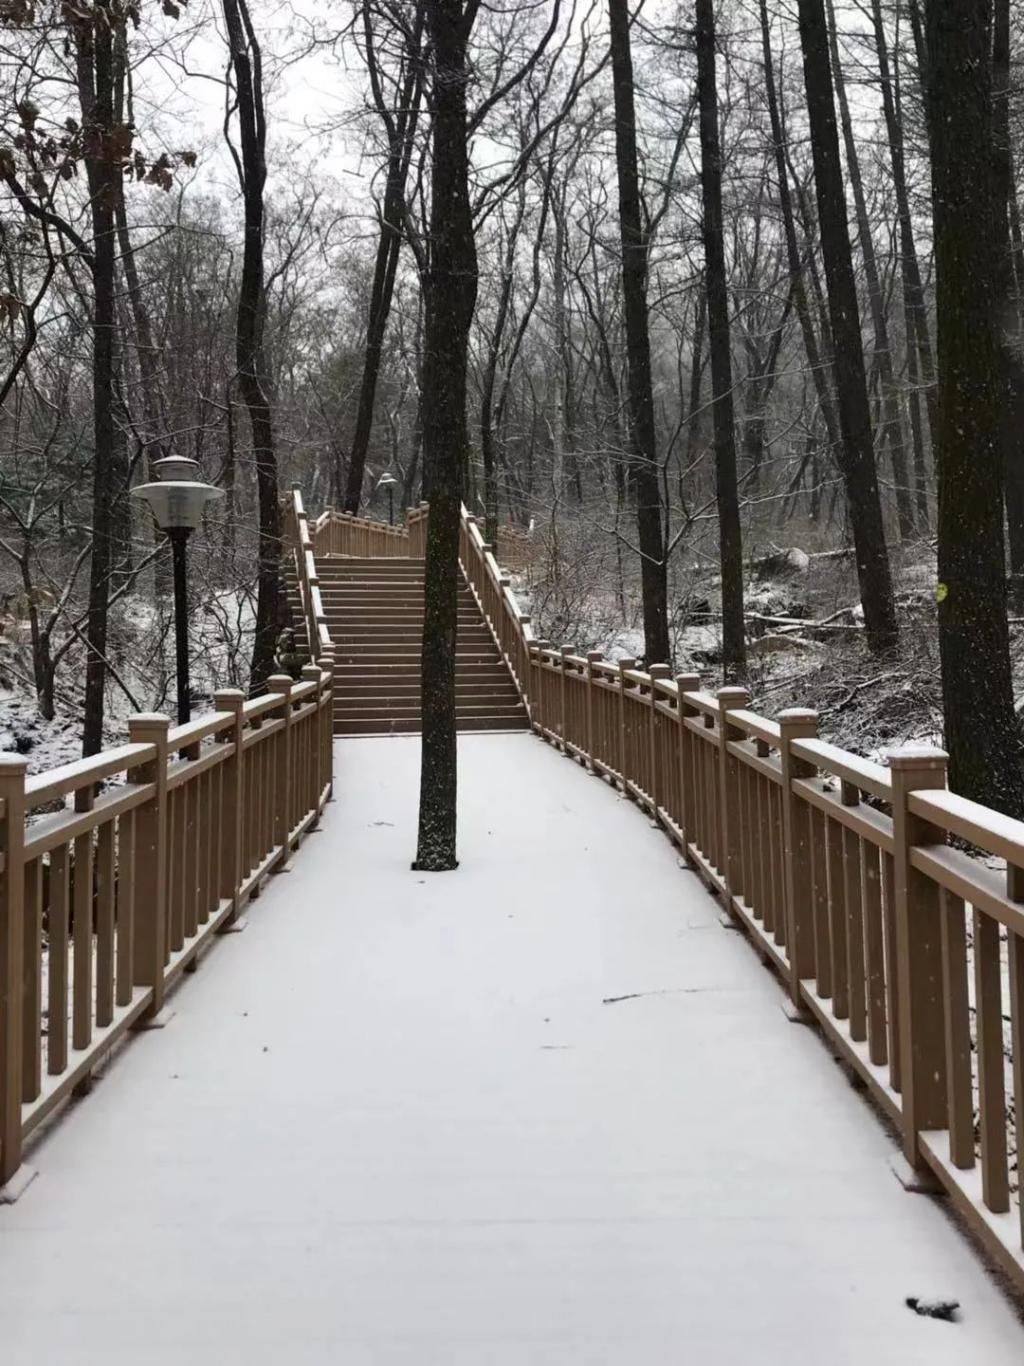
{"type": "Point", "coordinates": [135, 879]}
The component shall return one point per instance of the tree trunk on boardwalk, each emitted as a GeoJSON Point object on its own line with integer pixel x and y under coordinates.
{"type": "Point", "coordinates": [246, 61]}
{"type": "Point", "coordinates": [643, 444]}
{"type": "Point", "coordinates": [95, 61]}
{"type": "Point", "coordinates": [857, 449]}
{"type": "Point", "coordinates": [977, 691]}
{"type": "Point", "coordinates": [734, 658]}
{"type": "Point", "coordinates": [450, 297]}
{"type": "Point", "coordinates": [400, 127]}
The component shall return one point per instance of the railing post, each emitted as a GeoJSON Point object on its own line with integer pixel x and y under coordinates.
{"type": "Point", "coordinates": [624, 664]}
{"type": "Point", "coordinates": [655, 671]}
{"type": "Point", "coordinates": [686, 683]}
{"type": "Point", "coordinates": [327, 761]}
{"type": "Point", "coordinates": [311, 674]}
{"type": "Point", "coordinates": [563, 654]}
{"type": "Point", "coordinates": [542, 717]}
{"type": "Point", "coordinates": [12, 951]}
{"type": "Point", "coordinates": [918, 953]}
{"type": "Point", "coordinates": [729, 699]}
{"type": "Point", "coordinates": [283, 794]}
{"type": "Point", "coordinates": [797, 724]}
{"type": "Point", "coordinates": [232, 830]}
{"type": "Point", "coordinates": [151, 862]}
{"type": "Point", "coordinates": [594, 657]}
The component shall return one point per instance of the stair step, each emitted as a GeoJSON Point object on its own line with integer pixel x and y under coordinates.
{"type": "Point", "coordinates": [411, 726]}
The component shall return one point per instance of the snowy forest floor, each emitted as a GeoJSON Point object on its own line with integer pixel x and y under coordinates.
{"type": "Point", "coordinates": [543, 1109]}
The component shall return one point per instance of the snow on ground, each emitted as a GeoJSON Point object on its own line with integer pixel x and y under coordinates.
{"type": "Point", "coordinates": [540, 1111]}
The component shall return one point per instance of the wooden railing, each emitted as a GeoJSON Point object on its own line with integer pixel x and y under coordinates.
{"type": "Point", "coordinates": [906, 950]}
{"type": "Point", "coordinates": [342, 533]}
{"type": "Point", "coordinates": [297, 537]}
{"type": "Point", "coordinates": [143, 853]}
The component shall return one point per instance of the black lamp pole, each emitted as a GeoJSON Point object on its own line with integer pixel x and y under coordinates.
{"type": "Point", "coordinates": [178, 537]}
{"type": "Point", "coordinates": [391, 505]}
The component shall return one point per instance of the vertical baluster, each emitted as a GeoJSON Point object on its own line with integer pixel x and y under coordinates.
{"type": "Point", "coordinates": [125, 953]}
{"type": "Point", "coordinates": [995, 1183]}
{"type": "Point", "coordinates": [874, 950]}
{"type": "Point", "coordinates": [32, 1001]}
{"type": "Point", "coordinates": [1015, 962]}
{"type": "Point", "coordinates": [837, 918]}
{"type": "Point", "coordinates": [57, 962]}
{"type": "Point", "coordinates": [105, 895]}
{"type": "Point", "coordinates": [855, 977]}
{"type": "Point", "coordinates": [150, 862]}
{"type": "Point", "coordinates": [958, 1029]}
{"type": "Point", "coordinates": [892, 1012]}
{"type": "Point", "coordinates": [12, 954]}
{"type": "Point", "coordinates": [83, 889]}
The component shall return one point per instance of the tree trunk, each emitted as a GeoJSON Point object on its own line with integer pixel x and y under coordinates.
{"type": "Point", "coordinates": [892, 427]}
{"type": "Point", "coordinates": [1006, 299]}
{"type": "Point", "coordinates": [857, 447]}
{"type": "Point", "coordinates": [812, 348]}
{"type": "Point", "coordinates": [401, 132]}
{"type": "Point", "coordinates": [914, 307]}
{"type": "Point", "coordinates": [977, 689]}
{"type": "Point", "coordinates": [95, 69]}
{"type": "Point", "coordinates": [734, 658]}
{"type": "Point", "coordinates": [643, 443]}
{"type": "Point", "coordinates": [450, 297]}
{"type": "Point", "coordinates": [246, 61]}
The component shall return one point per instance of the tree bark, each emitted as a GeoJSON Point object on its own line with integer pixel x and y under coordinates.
{"type": "Point", "coordinates": [643, 442]}
{"type": "Point", "coordinates": [401, 132]}
{"type": "Point", "coordinates": [812, 347]}
{"type": "Point", "coordinates": [857, 454]}
{"type": "Point", "coordinates": [1007, 302]}
{"type": "Point", "coordinates": [920, 354]}
{"type": "Point", "coordinates": [246, 61]}
{"type": "Point", "coordinates": [892, 427]}
{"type": "Point", "coordinates": [450, 297]}
{"type": "Point", "coordinates": [95, 71]}
{"type": "Point", "coordinates": [734, 656]}
{"type": "Point", "coordinates": [977, 689]}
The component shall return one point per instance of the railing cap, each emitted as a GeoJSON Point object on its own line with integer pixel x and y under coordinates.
{"type": "Point", "coordinates": [12, 764]}
{"type": "Point", "coordinates": [154, 719]}
{"type": "Point", "coordinates": [925, 757]}
{"type": "Point", "coordinates": [797, 716]}
{"type": "Point", "coordinates": [733, 695]}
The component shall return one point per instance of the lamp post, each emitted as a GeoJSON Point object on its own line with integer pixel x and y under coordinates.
{"type": "Point", "coordinates": [177, 500]}
{"type": "Point", "coordinates": [389, 482]}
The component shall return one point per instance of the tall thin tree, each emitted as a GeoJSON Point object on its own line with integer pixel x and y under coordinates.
{"type": "Point", "coordinates": [251, 167]}
{"type": "Point", "coordinates": [857, 455]}
{"type": "Point", "coordinates": [643, 438]}
{"type": "Point", "coordinates": [734, 658]}
{"type": "Point", "coordinates": [449, 288]}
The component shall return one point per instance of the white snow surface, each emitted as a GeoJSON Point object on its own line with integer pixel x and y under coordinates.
{"type": "Point", "coordinates": [394, 1123]}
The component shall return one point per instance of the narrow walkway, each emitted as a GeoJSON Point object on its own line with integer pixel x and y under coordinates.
{"type": "Point", "coordinates": [403, 1119]}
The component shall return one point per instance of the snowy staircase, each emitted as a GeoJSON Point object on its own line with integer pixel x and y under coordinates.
{"type": "Point", "coordinates": [374, 610]}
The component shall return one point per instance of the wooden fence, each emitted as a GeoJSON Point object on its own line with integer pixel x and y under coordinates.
{"type": "Point", "coordinates": [116, 870]}
{"type": "Point", "coordinates": [851, 880]}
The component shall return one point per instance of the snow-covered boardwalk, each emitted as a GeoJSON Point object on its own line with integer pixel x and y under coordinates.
{"type": "Point", "coordinates": [543, 1111]}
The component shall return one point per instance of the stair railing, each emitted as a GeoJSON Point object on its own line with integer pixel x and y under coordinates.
{"type": "Point", "coordinates": [318, 639]}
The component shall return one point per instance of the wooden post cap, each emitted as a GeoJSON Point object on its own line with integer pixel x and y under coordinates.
{"type": "Point", "coordinates": [732, 698]}
{"type": "Point", "coordinates": [659, 671]}
{"type": "Point", "coordinates": [12, 764]}
{"type": "Point", "coordinates": [688, 682]}
{"type": "Point", "coordinates": [798, 718]}
{"type": "Point", "coordinates": [922, 757]}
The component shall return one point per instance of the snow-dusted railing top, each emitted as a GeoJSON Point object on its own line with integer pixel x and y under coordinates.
{"type": "Point", "coordinates": [132, 880]}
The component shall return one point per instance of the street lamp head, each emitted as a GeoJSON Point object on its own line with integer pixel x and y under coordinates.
{"type": "Point", "coordinates": [386, 481]}
{"type": "Point", "coordinates": [177, 498]}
